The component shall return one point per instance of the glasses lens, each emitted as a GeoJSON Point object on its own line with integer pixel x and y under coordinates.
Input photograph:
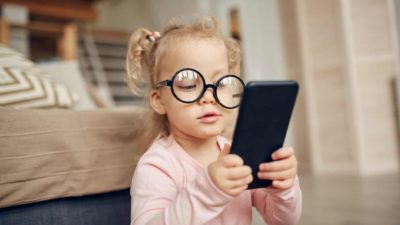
{"type": "Point", "coordinates": [229, 91]}
{"type": "Point", "coordinates": [188, 85]}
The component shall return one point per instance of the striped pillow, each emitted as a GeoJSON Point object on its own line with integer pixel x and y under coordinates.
{"type": "Point", "coordinates": [22, 87]}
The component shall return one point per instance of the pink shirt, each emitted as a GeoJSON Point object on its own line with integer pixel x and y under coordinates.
{"type": "Point", "coordinates": [170, 187]}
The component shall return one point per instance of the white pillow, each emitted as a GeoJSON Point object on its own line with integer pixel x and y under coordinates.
{"type": "Point", "coordinates": [21, 87]}
{"type": "Point", "coordinates": [68, 74]}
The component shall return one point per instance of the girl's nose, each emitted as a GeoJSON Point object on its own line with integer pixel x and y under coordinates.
{"type": "Point", "coordinates": [207, 97]}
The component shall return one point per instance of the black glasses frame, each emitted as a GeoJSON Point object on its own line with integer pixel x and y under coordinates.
{"type": "Point", "coordinates": [214, 86]}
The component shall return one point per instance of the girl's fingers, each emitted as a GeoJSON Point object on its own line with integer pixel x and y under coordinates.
{"type": "Point", "coordinates": [236, 191]}
{"type": "Point", "coordinates": [225, 150]}
{"type": "Point", "coordinates": [241, 182]}
{"type": "Point", "coordinates": [231, 160]}
{"type": "Point", "coordinates": [282, 184]}
{"type": "Point", "coordinates": [238, 172]}
{"type": "Point", "coordinates": [281, 175]}
{"type": "Point", "coordinates": [282, 153]}
{"type": "Point", "coordinates": [278, 165]}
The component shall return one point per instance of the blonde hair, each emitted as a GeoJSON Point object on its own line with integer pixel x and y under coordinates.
{"type": "Point", "coordinates": [144, 55]}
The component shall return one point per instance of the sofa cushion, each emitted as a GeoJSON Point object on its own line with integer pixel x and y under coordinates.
{"type": "Point", "coordinates": [21, 85]}
{"type": "Point", "coordinates": [22, 89]}
{"type": "Point", "coordinates": [69, 74]}
{"type": "Point", "coordinates": [47, 154]}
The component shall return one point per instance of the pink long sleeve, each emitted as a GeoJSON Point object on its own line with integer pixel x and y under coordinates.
{"type": "Point", "coordinates": [169, 187]}
{"type": "Point", "coordinates": [279, 206]}
{"type": "Point", "coordinates": [157, 200]}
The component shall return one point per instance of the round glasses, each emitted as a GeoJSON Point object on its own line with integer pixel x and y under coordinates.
{"type": "Point", "coordinates": [188, 86]}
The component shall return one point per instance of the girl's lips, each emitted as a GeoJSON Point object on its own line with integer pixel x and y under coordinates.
{"type": "Point", "coordinates": [209, 117]}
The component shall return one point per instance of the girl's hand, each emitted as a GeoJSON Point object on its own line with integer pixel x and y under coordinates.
{"type": "Point", "coordinates": [282, 170]}
{"type": "Point", "coordinates": [229, 174]}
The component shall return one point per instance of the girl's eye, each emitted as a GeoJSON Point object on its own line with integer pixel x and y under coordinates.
{"type": "Point", "coordinates": [222, 85]}
{"type": "Point", "coordinates": [187, 87]}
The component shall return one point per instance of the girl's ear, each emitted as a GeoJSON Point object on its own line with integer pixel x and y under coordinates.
{"type": "Point", "coordinates": [155, 102]}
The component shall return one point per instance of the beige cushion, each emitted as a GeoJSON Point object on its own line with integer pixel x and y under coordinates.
{"type": "Point", "coordinates": [11, 58]}
{"type": "Point", "coordinates": [69, 74]}
{"type": "Point", "coordinates": [46, 154]}
{"type": "Point", "coordinates": [22, 87]}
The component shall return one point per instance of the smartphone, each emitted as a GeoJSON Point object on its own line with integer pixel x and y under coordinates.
{"type": "Point", "coordinates": [262, 123]}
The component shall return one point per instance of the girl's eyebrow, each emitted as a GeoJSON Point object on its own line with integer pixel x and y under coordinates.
{"type": "Point", "coordinates": [219, 72]}
{"type": "Point", "coordinates": [216, 74]}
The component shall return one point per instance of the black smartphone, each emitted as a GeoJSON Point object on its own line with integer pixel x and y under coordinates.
{"type": "Point", "coordinates": [262, 123]}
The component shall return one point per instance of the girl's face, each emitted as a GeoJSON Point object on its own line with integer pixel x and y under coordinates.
{"type": "Point", "coordinates": [204, 118]}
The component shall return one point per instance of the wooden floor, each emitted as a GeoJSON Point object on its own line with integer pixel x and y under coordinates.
{"type": "Point", "coordinates": [349, 200]}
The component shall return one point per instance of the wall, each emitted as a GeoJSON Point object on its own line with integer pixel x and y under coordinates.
{"type": "Point", "coordinates": [259, 21]}
{"type": "Point", "coordinates": [346, 55]}
{"type": "Point", "coordinates": [123, 15]}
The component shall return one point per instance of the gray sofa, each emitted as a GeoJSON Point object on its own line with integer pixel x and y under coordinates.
{"type": "Point", "coordinates": [98, 209]}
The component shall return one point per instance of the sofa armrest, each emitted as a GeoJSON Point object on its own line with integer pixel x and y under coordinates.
{"type": "Point", "coordinates": [48, 154]}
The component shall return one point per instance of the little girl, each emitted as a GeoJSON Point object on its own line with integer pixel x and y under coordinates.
{"type": "Point", "coordinates": [187, 176]}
